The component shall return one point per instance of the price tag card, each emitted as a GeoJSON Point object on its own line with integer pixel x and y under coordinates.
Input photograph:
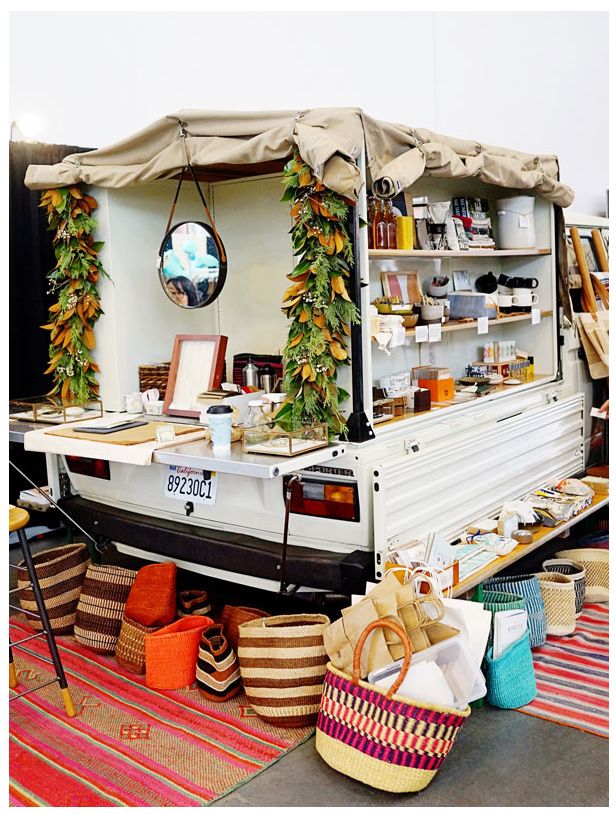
{"type": "Point", "coordinates": [421, 333]}
{"type": "Point", "coordinates": [482, 325]}
{"type": "Point", "coordinates": [434, 332]}
{"type": "Point", "coordinates": [535, 316]}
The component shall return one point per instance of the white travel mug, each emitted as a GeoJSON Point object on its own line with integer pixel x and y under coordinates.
{"type": "Point", "coordinates": [220, 418]}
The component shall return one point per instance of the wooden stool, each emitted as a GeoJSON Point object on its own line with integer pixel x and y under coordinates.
{"type": "Point", "coordinates": [18, 519]}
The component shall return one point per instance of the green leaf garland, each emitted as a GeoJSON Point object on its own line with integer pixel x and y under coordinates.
{"type": "Point", "coordinates": [75, 281]}
{"type": "Point", "coordinates": [317, 303]}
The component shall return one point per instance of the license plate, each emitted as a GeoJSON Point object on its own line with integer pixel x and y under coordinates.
{"type": "Point", "coordinates": [185, 483]}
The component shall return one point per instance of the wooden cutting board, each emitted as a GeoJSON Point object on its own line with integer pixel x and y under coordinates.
{"type": "Point", "coordinates": [136, 435]}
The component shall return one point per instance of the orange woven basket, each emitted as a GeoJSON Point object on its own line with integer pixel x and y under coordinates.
{"type": "Point", "coordinates": [232, 616]}
{"type": "Point", "coordinates": [171, 653]}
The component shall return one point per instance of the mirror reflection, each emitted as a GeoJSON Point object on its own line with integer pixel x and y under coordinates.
{"type": "Point", "coordinates": [190, 267]}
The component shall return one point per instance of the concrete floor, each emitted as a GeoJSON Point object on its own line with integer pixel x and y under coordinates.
{"type": "Point", "coordinates": [500, 758]}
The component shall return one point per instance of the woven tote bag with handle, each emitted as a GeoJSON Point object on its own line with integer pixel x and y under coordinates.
{"type": "Point", "coordinates": [387, 741]}
{"type": "Point", "coordinates": [101, 606]}
{"type": "Point", "coordinates": [61, 572]}
{"type": "Point", "coordinates": [595, 561]}
{"type": "Point", "coordinates": [577, 574]}
{"type": "Point", "coordinates": [282, 664]}
{"type": "Point", "coordinates": [558, 594]}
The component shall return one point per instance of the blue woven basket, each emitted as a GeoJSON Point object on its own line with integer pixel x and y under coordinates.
{"type": "Point", "coordinates": [495, 601]}
{"type": "Point", "coordinates": [526, 585]}
{"type": "Point", "coordinates": [511, 677]}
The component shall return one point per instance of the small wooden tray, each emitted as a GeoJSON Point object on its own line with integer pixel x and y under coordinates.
{"type": "Point", "coordinates": [136, 435]}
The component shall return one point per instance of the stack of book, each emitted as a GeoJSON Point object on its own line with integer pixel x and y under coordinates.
{"type": "Point", "coordinates": [475, 217]}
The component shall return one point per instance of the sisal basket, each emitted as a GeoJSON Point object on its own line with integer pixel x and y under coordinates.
{"type": "Point", "coordinates": [232, 616]}
{"type": "Point", "coordinates": [282, 664]}
{"type": "Point", "coordinates": [101, 606]}
{"type": "Point", "coordinates": [577, 574]}
{"type": "Point", "coordinates": [495, 601]}
{"type": "Point", "coordinates": [596, 564]}
{"type": "Point", "coordinates": [526, 585]}
{"type": "Point", "coordinates": [61, 572]}
{"type": "Point", "coordinates": [154, 376]}
{"type": "Point", "coordinates": [510, 678]}
{"type": "Point", "coordinates": [558, 594]}
{"type": "Point", "coordinates": [384, 740]}
{"type": "Point", "coordinates": [130, 649]}
{"type": "Point", "coordinates": [171, 653]}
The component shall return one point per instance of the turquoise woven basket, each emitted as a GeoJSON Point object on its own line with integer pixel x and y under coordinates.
{"type": "Point", "coordinates": [511, 677]}
{"type": "Point", "coordinates": [495, 601]}
{"type": "Point", "coordinates": [527, 586]}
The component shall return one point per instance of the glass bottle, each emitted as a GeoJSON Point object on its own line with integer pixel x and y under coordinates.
{"type": "Point", "coordinates": [380, 226]}
{"type": "Point", "coordinates": [392, 242]}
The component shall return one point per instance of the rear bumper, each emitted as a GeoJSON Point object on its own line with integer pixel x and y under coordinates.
{"type": "Point", "coordinates": [227, 551]}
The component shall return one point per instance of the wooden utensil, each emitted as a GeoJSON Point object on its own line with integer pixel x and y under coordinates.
{"type": "Point", "coordinates": [600, 253]}
{"type": "Point", "coordinates": [589, 303]}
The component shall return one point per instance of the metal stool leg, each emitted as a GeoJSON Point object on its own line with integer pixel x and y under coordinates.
{"type": "Point", "coordinates": [13, 682]}
{"type": "Point", "coordinates": [51, 642]}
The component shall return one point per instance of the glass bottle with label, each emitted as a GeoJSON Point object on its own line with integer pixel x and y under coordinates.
{"type": "Point", "coordinates": [380, 226]}
{"type": "Point", "coordinates": [392, 241]}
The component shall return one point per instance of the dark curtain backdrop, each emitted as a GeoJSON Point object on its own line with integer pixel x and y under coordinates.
{"type": "Point", "coordinates": [30, 258]}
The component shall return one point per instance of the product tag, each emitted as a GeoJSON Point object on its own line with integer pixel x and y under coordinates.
{"type": "Point", "coordinates": [165, 433]}
{"type": "Point", "coordinates": [482, 325]}
{"type": "Point", "coordinates": [523, 222]}
{"type": "Point", "coordinates": [535, 316]}
{"type": "Point", "coordinates": [421, 333]}
{"type": "Point", "coordinates": [434, 332]}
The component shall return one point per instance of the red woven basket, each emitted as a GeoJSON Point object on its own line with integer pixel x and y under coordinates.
{"type": "Point", "coordinates": [171, 653]}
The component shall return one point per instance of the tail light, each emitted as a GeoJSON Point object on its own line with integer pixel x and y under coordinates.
{"type": "Point", "coordinates": [322, 498]}
{"type": "Point", "coordinates": [93, 467]}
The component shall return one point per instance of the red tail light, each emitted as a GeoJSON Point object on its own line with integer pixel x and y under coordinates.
{"type": "Point", "coordinates": [322, 498]}
{"type": "Point", "coordinates": [93, 467]}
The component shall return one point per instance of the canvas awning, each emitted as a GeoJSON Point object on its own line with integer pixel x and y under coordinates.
{"type": "Point", "coordinates": [330, 140]}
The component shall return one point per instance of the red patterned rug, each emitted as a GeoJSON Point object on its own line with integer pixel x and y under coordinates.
{"type": "Point", "coordinates": [128, 745]}
{"type": "Point", "coordinates": [572, 675]}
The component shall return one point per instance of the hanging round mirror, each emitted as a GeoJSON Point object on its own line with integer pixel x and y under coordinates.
{"type": "Point", "coordinates": [192, 264]}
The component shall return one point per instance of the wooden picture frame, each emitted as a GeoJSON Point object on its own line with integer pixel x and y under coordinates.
{"type": "Point", "coordinates": [401, 284]}
{"type": "Point", "coordinates": [196, 366]}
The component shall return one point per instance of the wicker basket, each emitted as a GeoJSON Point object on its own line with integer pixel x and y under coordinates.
{"type": "Point", "coordinates": [526, 585]}
{"type": "Point", "coordinates": [384, 740]}
{"type": "Point", "coordinates": [495, 601]}
{"type": "Point", "coordinates": [282, 664]}
{"type": "Point", "coordinates": [61, 572]}
{"type": "Point", "coordinates": [596, 564]}
{"type": "Point", "coordinates": [232, 616]}
{"type": "Point", "coordinates": [156, 375]}
{"type": "Point", "coordinates": [171, 653]}
{"type": "Point", "coordinates": [577, 574]}
{"type": "Point", "coordinates": [101, 606]}
{"type": "Point", "coordinates": [130, 649]}
{"type": "Point", "coordinates": [558, 594]}
{"type": "Point", "coordinates": [511, 677]}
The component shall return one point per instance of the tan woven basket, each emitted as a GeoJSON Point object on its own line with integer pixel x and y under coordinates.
{"type": "Point", "coordinates": [157, 376]}
{"type": "Point", "coordinates": [61, 572]}
{"type": "Point", "coordinates": [595, 561]}
{"type": "Point", "coordinates": [558, 594]}
{"type": "Point", "coordinates": [130, 649]}
{"type": "Point", "coordinates": [282, 664]}
{"type": "Point", "coordinates": [232, 616]}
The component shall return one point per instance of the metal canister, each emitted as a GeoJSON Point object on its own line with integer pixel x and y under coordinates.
{"type": "Point", "coordinates": [250, 374]}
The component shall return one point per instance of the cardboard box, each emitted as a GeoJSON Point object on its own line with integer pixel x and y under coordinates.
{"type": "Point", "coordinates": [440, 389]}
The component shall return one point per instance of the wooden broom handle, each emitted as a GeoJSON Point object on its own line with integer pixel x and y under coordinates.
{"type": "Point", "coordinates": [588, 295]}
{"type": "Point", "coordinates": [388, 623]}
{"type": "Point", "coordinates": [600, 252]}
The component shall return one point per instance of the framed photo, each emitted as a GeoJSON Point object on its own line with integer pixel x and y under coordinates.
{"type": "Point", "coordinates": [461, 281]}
{"type": "Point", "coordinates": [404, 285]}
{"type": "Point", "coordinates": [196, 365]}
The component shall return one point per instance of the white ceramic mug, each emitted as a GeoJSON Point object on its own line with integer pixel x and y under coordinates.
{"type": "Point", "coordinates": [524, 297]}
{"type": "Point", "coordinates": [505, 301]}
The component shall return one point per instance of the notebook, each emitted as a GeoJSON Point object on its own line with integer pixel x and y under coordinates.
{"type": "Point", "coordinates": [509, 626]}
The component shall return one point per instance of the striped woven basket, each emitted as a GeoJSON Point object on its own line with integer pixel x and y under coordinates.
{"type": "Point", "coordinates": [596, 563]}
{"type": "Point", "coordinates": [101, 606]}
{"type": "Point", "coordinates": [171, 653]}
{"type": "Point", "coordinates": [61, 572]}
{"type": "Point", "coordinates": [382, 739]}
{"type": "Point", "coordinates": [130, 649]}
{"type": "Point", "coordinates": [282, 664]}
{"type": "Point", "coordinates": [558, 592]}
{"type": "Point", "coordinates": [577, 574]}
{"type": "Point", "coordinates": [526, 585]}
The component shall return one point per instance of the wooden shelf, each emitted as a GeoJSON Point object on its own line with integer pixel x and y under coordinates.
{"type": "Point", "coordinates": [540, 537]}
{"type": "Point", "coordinates": [456, 325]}
{"type": "Point", "coordinates": [425, 254]}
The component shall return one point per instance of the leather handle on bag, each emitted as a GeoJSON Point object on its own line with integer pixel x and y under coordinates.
{"type": "Point", "coordinates": [388, 623]}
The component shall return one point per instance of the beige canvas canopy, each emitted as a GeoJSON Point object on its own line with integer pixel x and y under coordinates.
{"type": "Point", "coordinates": [224, 144]}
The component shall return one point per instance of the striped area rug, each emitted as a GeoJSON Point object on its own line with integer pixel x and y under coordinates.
{"type": "Point", "coordinates": [128, 745]}
{"type": "Point", "coordinates": [572, 675]}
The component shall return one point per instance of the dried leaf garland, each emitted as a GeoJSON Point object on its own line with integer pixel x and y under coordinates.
{"type": "Point", "coordinates": [74, 281]}
{"type": "Point", "coordinates": [317, 303]}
